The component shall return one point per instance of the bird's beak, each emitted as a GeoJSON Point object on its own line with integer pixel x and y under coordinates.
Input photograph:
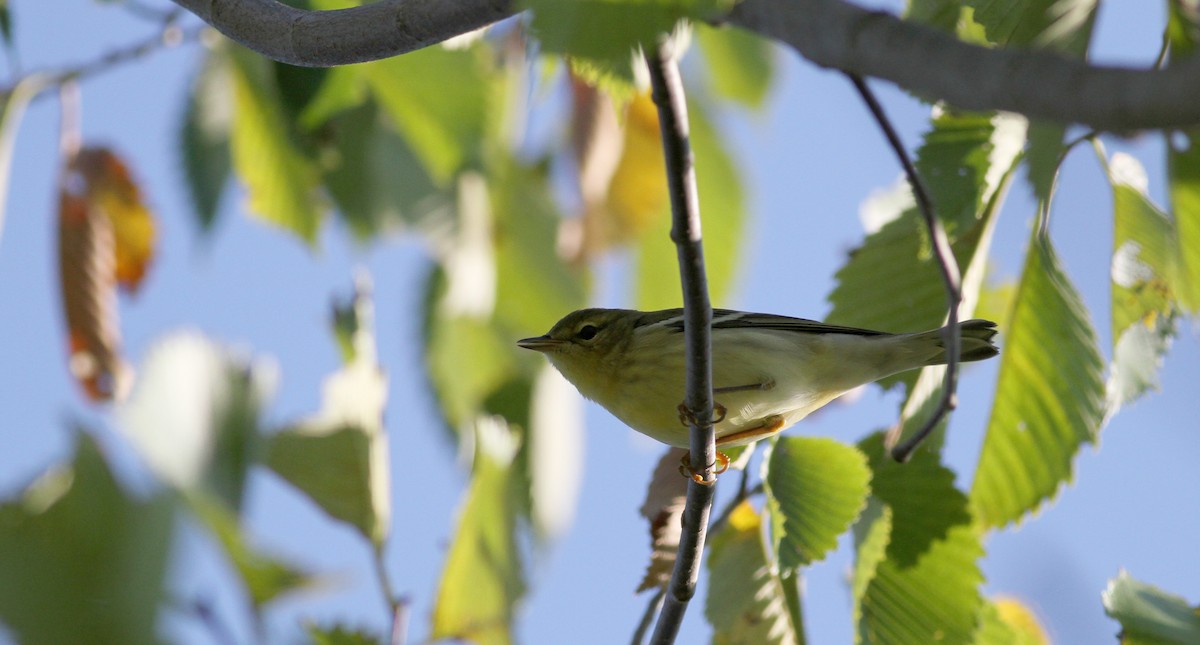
{"type": "Point", "coordinates": [539, 343]}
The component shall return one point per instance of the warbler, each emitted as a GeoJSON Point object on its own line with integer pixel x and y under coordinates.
{"type": "Point", "coordinates": [769, 371]}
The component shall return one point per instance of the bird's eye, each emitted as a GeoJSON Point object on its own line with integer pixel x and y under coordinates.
{"type": "Point", "coordinates": [586, 332]}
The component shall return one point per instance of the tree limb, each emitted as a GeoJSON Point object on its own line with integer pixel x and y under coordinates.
{"type": "Point", "coordinates": [697, 335]}
{"type": "Point", "coordinates": [830, 33]}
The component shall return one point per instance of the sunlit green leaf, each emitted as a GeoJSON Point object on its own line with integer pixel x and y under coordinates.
{"type": "Point", "coordinates": [605, 34]}
{"type": "Point", "coordinates": [204, 139]}
{"type": "Point", "coordinates": [265, 578]}
{"type": "Point", "coordinates": [438, 99]}
{"type": "Point", "coordinates": [343, 89]}
{"type": "Point", "coordinates": [815, 488]}
{"type": "Point", "coordinates": [872, 532]}
{"type": "Point", "coordinates": [1007, 621]}
{"type": "Point", "coordinates": [1049, 398]}
{"type": "Point", "coordinates": [723, 215]}
{"type": "Point", "coordinates": [1144, 269]}
{"type": "Point", "coordinates": [1149, 615]}
{"type": "Point", "coordinates": [740, 64]}
{"type": "Point", "coordinates": [482, 580]}
{"type": "Point", "coordinates": [281, 183]}
{"type": "Point", "coordinates": [1061, 25]}
{"type": "Point", "coordinates": [80, 557]}
{"type": "Point", "coordinates": [921, 496]}
{"type": "Point", "coordinates": [468, 359]}
{"type": "Point", "coordinates": [936, 600]}
{"type": "Point", "coordinates": [746, 603]}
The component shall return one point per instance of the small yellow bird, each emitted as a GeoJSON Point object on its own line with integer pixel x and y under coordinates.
{"type": "Point", "coordinates": [769, 371]}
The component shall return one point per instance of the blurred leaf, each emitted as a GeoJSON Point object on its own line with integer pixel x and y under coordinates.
{"type": "Point", "coordinates": [605, 34]}
{"type": "Point", "coordinates": [1049, 396]}
{"type": "Point", "coordinates": [339, 458]}
{"type": "Point", "coordinates": [1008, 621]}
{"type": "Point", "coordinates": [280, 181]}
{"type": "Point", "coordinates": [376, 181]}
{"type": "Point", "coordinates": [88, 287]}
{"type": "Point", "coordinates": [467, 360]}
{"type": "Point", "coordinates": [204, 138]}
{"type": "Point", "coordinates": [298, 86]}
{"type": "Point", "coordinates": [996, 300]}
{"type": "Point", "coordinates": [663, 509]}
{"type": "Point", "coordinates": [12, 110]}
{"type": "Point", "coordinates": [892, 281]}
{"type": "Point", "coordinates": [482, 580]}
{"type": "Point", "coordinates": [194, 415]}
{"type": "Point", "coordinates": [342, 89]}
{"type": "Point", "coordinates": [741, 64]}
{"type": "Point", "coordinates": [80, 557]}
{"type": "Point", "coordinates": [340, 635]}
{"type": "Point", "coordinates": [111, 191]}
{"type": "Point", "coordinates": [556, 446]}
{"type": "Point", "coordinates": [526, 221]}
{"type": "Point", "coordinates": [6, 22]}
{"type": "Point", "coordinates": [815, 488]}
{"type": "Point", "coordinates": [265, 577]}
{"type": "Point", "coordinates": [724, 216]}
{"type": "Point", "coordinates": [1061, 25]}
{"type": "Point", "coordinates": [935, 600]}
{"type": "Point", "coordinates": [746, 603]}
{"type": "Point", "coordinates": [1149, 615]}
{"type": "Point", "coordinates": [443, 122]}
{"type": "Point", "coordinates": [1144, 270]}
{"type": "Point", "coordinates": [920, 494]}
{"type": "Point", "coordinates": [1183, 172]}
{"type": "Point", "coordinates": [637, 199]}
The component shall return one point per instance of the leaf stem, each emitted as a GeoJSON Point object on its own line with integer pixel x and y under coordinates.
{"type": "Point", "coordinates": [946, 264]}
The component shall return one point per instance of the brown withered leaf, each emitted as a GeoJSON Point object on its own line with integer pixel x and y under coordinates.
{"type": "Point", "coordinates": [87, 263]}
{"type": "Point", "coordinates": [109, 189]}
{"type": "Point", "coordinates": [663, 508]}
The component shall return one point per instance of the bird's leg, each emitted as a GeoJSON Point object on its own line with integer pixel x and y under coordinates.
{"type": "Point", "coordinates": [685, 468]}
{"type": "Point", "coordinates": [768, 426]}
{"type": "Point", "coordinates": [688, 418]}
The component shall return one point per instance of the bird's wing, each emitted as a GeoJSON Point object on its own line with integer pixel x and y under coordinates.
{"type": "Point", "coordinates": [730, 319]}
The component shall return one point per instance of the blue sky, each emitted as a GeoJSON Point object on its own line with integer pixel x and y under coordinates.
{"type": "Point", "coordinates": [809, 160]}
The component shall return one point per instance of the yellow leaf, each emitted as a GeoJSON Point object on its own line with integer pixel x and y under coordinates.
{"type": "Point", "coordinates": [109, 189]}
{"type": "Point", "coordinates": [637, 195]}
{"type": "Point", "coordinates": [1022, 619]}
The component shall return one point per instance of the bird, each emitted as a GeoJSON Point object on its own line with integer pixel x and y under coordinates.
{"type": "Point", "coordinates": [768, 371]}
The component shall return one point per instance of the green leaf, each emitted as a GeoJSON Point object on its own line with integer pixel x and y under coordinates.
{"type": "Point", "coordinates": [872, 532]}
{"type": "Point", "coordinates": [265, 577]}
{"type": "Point", "coordinates": [340, 635]}
{"type": "Point", "coordinates": [1183, 172]}
{"type": "Point", "coordinates": [467, 359]}
{"type": "Point", "coordinates": [605, 34]}
{"type": "Point", "coordinates": [439, 100]}
{"type": "Point", "coordinates": [280, 181]}
{"type": "Point", "coordinates": [1049, 397]}
{"type": "Point", "coordinates": [723, 213]}
{"type": "Point", "coordinates": [1144, 268]}
{"type": "Point", "coordinates": [740, 64]}
{"type": "Point", "coordinates": [343, 89]}
{"type": "Point", "coordinates": [892, 281]}
{"type": "Point", "coordinates": [194, 415]}
{"type": "Point", "coordinates": [815, 488]}
{"type": "Point", "coordinates": [204, 138]}
{"type": "Point", "coordinates": [1061, 25]}
{"type": "Point", "coordinates": [482, 580]}
{"type": "Point", "coordinates": [526, 221]}
{"type": "Point", "coordinates": [1006, 621]}
{"type": "Point", "coordinates": [376, 181]}
{"type": "Point", "coordinates": [1149, 615]}
{"type": "Point", "coordinates": [920, 494]}
{"type": "Point", "coordinates": [935, 600]}
{"type": "Point", "coordinates": [78, 556]}
{"type": "Point", "coordinates": [746, 601]}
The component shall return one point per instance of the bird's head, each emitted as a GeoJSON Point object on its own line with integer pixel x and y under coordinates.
{"type": "Point", "coordinates": [586, 345]}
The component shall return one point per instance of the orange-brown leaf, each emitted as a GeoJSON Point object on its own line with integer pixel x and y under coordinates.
{"type": "Point", "coordinates": [87, 271]}
{"type": "Point", "coordinates": [663, 508]}
{"type": "Point", "coordinates": [109, 188]}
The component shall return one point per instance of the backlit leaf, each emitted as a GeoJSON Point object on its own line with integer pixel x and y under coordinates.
{"type": "Point", "coordinates": [204, 138]}
{"type": "Point", "coordinates": [1149, 615]}
{"type": "Point", "coordinates": [280, 181]}
{"type": "Point", "coordinates": [1049, 398]}
{"type": "Point", "coordinates": [663, 510]}
{"type": "Point", "coordinates": [111, 191]}
{"type": "Point", "coordinates": [740, 64]}
{"type": "Point", "coordinates": [482, 580]}
{"type": "Point", "coordinates": [746, 601]}
{"type": "Point", "coordinates": [80, 557]}
{"type": "Point", "coordinates": [815, 489]}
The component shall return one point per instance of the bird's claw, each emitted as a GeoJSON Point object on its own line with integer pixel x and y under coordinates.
{"type": "Point", "coordinates": [688, 418]}
{"type": "Point", "coordinates": [685, 468]}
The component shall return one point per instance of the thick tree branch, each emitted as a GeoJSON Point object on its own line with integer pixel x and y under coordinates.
{"type": "Point", "coordinates": [830, 33]}
{"type": "Point", "coordinates": [697, 318]}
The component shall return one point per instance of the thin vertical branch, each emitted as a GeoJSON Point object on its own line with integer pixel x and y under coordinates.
{"type": "Point", "coordinates": [946, 263]}
{"type": "Point", "coordinates": [697, 312]}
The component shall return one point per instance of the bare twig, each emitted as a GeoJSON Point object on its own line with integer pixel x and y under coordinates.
{"type": "Point", "coordinates": [697, 312]}
{"type": "Point", "coordinates": [397, 605]}
{"type": "Point", "coordinates": [652, 608]}
{"type": "Point", "coordinates": [947, 265]}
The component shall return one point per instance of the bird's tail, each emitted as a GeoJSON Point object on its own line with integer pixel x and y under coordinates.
{"type": "Point", "coordinates": [975, 344]}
